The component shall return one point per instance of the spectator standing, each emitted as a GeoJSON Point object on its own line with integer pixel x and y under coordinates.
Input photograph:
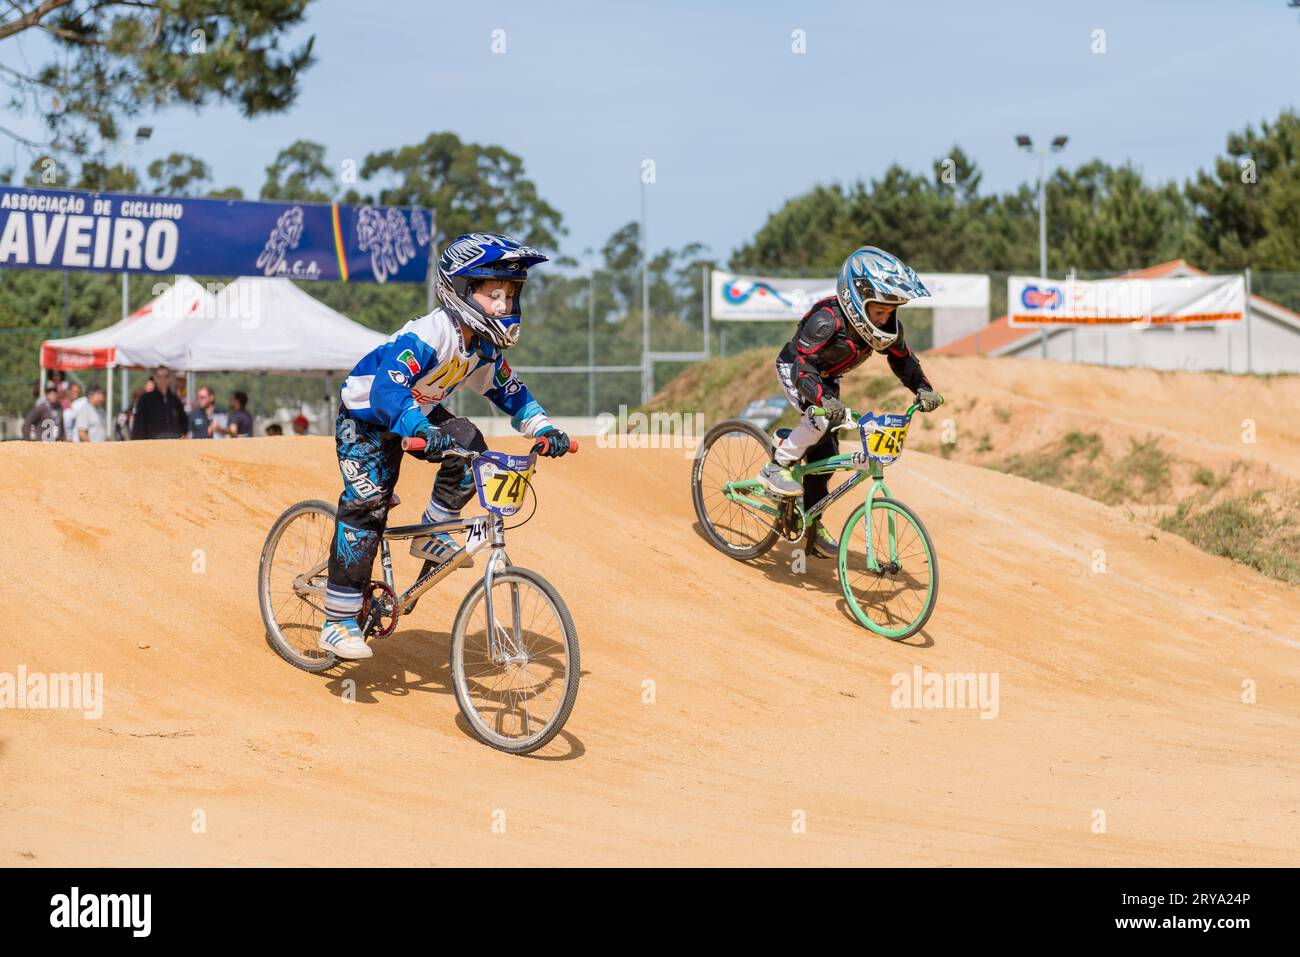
{"type": "Point", "coordinates": [300, 424]}
{"type": "Point", "coordinates": [72, 400]}
{"type": "Point", "coordinates": [239, 422]}
{"type": "Point", "coordinates": [159, 413]}
{"type": "Point", "coordinates": [126, 417]}
{"type": "Point", "coordinates": [274, 429]}
{"type": "Point", "coordinates": [91, 420]}
{"type": "Point", "coordinates": [203, 417]}
{"type": "Point", "coordinates": [44, 423]}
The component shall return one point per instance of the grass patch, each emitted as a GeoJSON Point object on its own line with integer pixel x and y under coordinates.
{"type": "Point", "coordinates": [1149, 462]}
{"type": "Point", "coordinates": [1256, 529]}
{"type": "Point", "coordinates": [1087, 444]}
{"type": "Point", "coordinates": [1077, 462]}
{"type": "Point", "coordinates": [1042, 467]}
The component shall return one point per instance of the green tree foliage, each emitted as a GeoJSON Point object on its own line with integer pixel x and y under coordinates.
{"type": "Point", "coordinates": [117, 59]}
{"type": "Point", "coordinates": [1246, 208]}
{"type": "Point", "coordinates": [299, 172]}
{"type": "Point", "coordinates": [471, 187]}
{"type": "Point", "coordinates": [1100, 217]}
{"type": "Point", "coordinates": [179, 175]}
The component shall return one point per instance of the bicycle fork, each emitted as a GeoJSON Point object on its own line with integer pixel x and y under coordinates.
{"type": "Point", "coordinates": [505, 645]}
{"type": "Point", "coordinates": [873, 565]}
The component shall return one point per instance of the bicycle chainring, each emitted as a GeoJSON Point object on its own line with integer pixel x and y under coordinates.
{"type": "Point", "coordinates": [378, 610]}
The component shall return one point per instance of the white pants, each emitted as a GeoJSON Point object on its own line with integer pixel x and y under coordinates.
{"type": "Point", "coordinates": [807, 433]}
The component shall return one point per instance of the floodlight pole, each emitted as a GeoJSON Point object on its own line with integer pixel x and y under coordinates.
{"type": "Point", "coordinates": [1026, 144]}
{"type": "Point", "coordinates": [647, 374]}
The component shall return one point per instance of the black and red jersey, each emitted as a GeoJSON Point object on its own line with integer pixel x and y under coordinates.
{"type": "Point", "coordinates": [825, 347]}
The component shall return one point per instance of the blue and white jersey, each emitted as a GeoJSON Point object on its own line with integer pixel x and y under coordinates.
{"type": "Point", "coordinates": [396, 385]}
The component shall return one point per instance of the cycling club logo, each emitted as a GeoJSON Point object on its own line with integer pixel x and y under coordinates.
{"type": "Point", "coordinates": [736, 295]}
{"type": "Point", "coordinates": [407, 358]}
{"type": "Point", "coordinates": [1048, 297]}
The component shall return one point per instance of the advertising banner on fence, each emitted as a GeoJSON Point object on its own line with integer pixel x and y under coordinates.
{"type": "Point", "coordinates": [117, 232]}
{"type": "Point", "coordinates": [752, 298]}
{"type": "Point", "coordinates": [1039, 302]}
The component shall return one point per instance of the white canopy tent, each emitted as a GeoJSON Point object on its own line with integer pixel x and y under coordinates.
{"type": "Point", "coordinates": [270, 325]}
{"type": "Point", "coordinates": [252, 325]}
{"type": "Point", "coordinates": [131, 340]}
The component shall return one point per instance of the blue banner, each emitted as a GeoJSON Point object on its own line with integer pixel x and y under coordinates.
{"type": "Point", "coordinates": [117, 232]}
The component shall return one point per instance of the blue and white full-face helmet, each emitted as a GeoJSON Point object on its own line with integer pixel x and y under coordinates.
{"type": "Point", "coordinates": [472, 258]}
{"type": "Point", "coordinates": [872, 275]}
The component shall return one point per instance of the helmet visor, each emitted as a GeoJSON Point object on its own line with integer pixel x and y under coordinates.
{"type": "Point", "coordinates": [869, 294]}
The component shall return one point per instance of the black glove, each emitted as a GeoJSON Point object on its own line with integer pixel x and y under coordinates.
{"type": "Point", "coordinates": [928, 399]}
{"type": "Point", "coordinates": [834, 409]}
{"type": "Point", "coordinates": [557, 443]}
{"type": "Point", "coordinates": [436, 441]}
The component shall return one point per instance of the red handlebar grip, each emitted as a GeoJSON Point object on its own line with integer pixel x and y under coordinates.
{"type": "Point", "coordinates": [545, 442]}
{"type": "Point", "coordinates": [414, 445]}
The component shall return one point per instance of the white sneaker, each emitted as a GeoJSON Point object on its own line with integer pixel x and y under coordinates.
{"type": "Point", "coordinates": [344, 639]}
{"type": "Point", "coordinates": [436, 548]}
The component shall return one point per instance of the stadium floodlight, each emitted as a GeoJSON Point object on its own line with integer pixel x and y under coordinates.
{"type": "Point", "coordinates": [1024, 142]}
{"type": "Point", "coordinates": [143, 133]}
{"type": "Point", "coordinates": [1058, 144]}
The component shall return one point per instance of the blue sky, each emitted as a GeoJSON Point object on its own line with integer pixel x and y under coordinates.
{"type": "Point", "coordinates": [734, 120]}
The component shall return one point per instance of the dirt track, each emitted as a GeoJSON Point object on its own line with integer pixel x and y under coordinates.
{"type": "Point", "coordinates": [1120, 692]}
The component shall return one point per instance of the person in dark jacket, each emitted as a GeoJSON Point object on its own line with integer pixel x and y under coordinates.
{"type": "Point", "coordinates": [838, 334]}
{"type": "Point", "coordinates": [159, 413]}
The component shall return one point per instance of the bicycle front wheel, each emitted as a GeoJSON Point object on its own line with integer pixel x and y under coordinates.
{"type": "Point", "coordinates": [516, 678]}
{"type": "Point", "coordinates": [889, 571]}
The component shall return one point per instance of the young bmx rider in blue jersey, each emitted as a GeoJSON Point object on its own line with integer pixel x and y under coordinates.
{"type": "Point", "coordinates": [397, 391]}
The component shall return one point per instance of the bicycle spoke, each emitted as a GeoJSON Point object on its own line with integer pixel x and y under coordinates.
{"type": "Point", "coordinates": [520, 697]}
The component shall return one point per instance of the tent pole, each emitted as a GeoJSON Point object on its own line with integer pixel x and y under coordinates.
{"type": "Point", "coordinates": [108, 404]}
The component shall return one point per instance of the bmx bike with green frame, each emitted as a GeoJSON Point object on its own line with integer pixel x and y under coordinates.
{"type": "Point", "coordinates": [888, 567]}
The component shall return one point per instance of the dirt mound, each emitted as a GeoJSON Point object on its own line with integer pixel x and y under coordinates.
{"type": "Point", "coordinates": [729, 713]}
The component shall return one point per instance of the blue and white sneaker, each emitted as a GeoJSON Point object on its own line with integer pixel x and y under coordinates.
{"type": "Point", "coordinates": [343, 637]}
{"type": "Point", "coordinates": [436, 548]}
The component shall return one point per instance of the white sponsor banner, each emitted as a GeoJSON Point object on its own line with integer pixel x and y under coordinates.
{"type": "Point", "coordinates": [760, 297]}
{"type": "Point", "coordinates": [1032, 301]}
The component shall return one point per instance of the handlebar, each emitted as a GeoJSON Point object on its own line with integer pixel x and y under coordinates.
{"type": "Point", "coordinates": [851, 417]}
{"type": "Point", "coordinates": [542, 444]}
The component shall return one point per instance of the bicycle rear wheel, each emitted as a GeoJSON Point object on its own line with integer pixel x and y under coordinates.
{"type": "Point", "coordinates": [732, 451]}
{"type": "Point", "coordinates": [895, 594]}
{"type": "Point", "coordinates": [516, 691]}
{"type": "Point", "coordinates": [291, 579]}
